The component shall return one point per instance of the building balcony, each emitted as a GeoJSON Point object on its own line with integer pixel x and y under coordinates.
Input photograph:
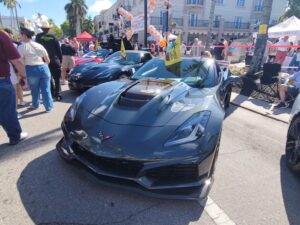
{"type": "Point", "coordinates": [159, 21]}
{"type": "Point", "coordinates": [236, 25]}
{"type": "Point", "coordinates": [203, 23]}
{"type": "Point", "coordinates": [195, 3]}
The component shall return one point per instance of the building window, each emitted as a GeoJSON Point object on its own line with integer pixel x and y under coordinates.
{"type": "Point", "coordinates": [219, 2]}
{"type": "Point", "coordinates": [193, 17]}
{"type": "Point", "coordinates": [240, 3]}
{"type": "Point", "coordinates": [195, 2]}
{"type": "Point", "coordinates": [217, 20]}
{"type": "Point", "coordinates": [238, 22]}
{"type": "Point", "coordinates": [259, 5]}
{"type": "Point", "coordinates": [161, 17]}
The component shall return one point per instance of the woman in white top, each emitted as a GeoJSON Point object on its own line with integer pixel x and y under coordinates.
{"type": "Point", "coordinates": [38, 74]}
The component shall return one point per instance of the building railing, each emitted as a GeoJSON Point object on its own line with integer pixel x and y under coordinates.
{"type": "Point", "coordinates": [178, 21]}
{"type": "Point", "coordinates": [236, 25]}
{"type": "Point", "coordinates": [201, 23]}
{"type": "Point", "coordinates": [195, 2]}
{"type": "Point", "coordinates": [154, 20]}
{"type": "Point", "coordinates": [159, 21]}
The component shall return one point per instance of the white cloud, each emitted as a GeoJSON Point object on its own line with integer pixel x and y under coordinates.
{"type": "Point", "coordinates": [100, 5]}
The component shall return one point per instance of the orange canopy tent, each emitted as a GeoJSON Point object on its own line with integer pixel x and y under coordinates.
{"type": "Point", "coordinates": [85, 36]}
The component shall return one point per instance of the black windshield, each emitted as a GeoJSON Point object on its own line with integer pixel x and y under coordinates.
{"type": "Point", "coordinates": [194, 72]}
{"type": "Point", "coordinates": [130, 59]}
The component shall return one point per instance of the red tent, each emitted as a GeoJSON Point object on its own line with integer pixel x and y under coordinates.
{"type": "Point", "coordinates": [85, 36]}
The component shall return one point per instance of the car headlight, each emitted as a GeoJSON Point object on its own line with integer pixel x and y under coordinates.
{"type": "Point", "coordinates": [190, 130]}
{"type": "Point", "coordinates": [70, 116]}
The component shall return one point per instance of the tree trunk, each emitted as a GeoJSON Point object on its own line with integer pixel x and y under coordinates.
{"type": "Point", "coordinates": [78, 29]}
{"type": "Point", "coordinates": [1, 23]}
{"type": "Point", "coordinates": [261, 41]}
{"type": "Point", "coordinates": [210, 23]}
{"type": "Point", "coordinates": [17, 19]}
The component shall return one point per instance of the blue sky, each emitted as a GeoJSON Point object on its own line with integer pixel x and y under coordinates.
{"type": "Point", "coordinates": [54, 9]}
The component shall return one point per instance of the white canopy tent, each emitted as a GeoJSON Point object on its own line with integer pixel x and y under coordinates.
{"type": "Point", "coordinates": [289, 27]}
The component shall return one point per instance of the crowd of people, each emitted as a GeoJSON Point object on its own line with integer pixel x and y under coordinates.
{"type": "Point", "coordinates": [41, 63]}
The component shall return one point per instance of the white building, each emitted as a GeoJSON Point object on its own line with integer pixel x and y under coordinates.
{"type": "Point", "coordinates": [233, 18]}
{"type": "Point", "coordinates": [10, 22]}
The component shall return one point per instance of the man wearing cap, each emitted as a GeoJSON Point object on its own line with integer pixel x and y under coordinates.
{"type": "Point", "coordinates": [8, 113]}
{"type": "Point", "coordinates": [51, 44]}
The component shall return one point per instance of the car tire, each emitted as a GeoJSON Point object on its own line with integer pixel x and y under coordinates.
{"type": "Point", "coordinates": [292, 149]}
{"type": "Point", "coordinates": [227, 99]}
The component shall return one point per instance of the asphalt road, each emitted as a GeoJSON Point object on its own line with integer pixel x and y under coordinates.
{"type": "Point", "coordinates": [252, 184]}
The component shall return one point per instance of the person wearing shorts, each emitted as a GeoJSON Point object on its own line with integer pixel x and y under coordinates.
{"type": "Point", "coordinates": [68, 62]}
{"type": "Point", "coordinates": [289, 84]}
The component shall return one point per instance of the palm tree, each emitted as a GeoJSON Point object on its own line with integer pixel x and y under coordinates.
{"type": "Point", "coordinates": [76, 10]}
{"type": "Point", "coordinates": [12, 5]}
{"type": "Point", "coordinates": [210, 23]}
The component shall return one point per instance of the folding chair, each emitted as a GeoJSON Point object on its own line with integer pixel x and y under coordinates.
{"type": "Point", "coordinates": [268, 81]}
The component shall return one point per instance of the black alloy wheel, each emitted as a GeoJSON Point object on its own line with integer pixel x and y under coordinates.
{"type": "Point", "coordinates": [292, 150]}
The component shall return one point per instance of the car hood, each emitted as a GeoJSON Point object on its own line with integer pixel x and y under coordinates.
{"type": "Point", "coordinates": [99, 68]}
{"type": "Point", "coordinates": [151, 103]}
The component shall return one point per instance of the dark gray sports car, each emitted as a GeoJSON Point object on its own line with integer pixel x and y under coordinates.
{"type": "Point", "coordinates": [158, 132]}
{"type": "Point", "coordinates": [115, 66]}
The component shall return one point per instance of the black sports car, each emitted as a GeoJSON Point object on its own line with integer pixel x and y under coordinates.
{"type": "Point", "coordinates": [158, 132]}
{"type": "Point", "coordinates": [115, 66]}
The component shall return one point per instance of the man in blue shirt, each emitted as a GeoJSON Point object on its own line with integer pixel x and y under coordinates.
{"type": "Point", "coordinates": [290, 84]}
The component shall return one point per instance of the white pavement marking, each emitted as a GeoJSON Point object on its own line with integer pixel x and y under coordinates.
{"type": "Point", "coordinates": [216, 213]}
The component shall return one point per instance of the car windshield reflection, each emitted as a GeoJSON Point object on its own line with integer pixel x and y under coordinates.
{"type": "Point", "coordinates": [131, 58]}
{"type": "Point", "coordinates": [200, 73]}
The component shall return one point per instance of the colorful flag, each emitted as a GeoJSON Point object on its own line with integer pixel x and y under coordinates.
{"type": "Point", "coordinates": [123, 51]}
{"type": "Point", "coordinates": [173, 52]}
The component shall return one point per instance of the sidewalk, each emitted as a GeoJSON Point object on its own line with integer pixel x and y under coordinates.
{"type": "Point", "coordinates": [261, 107]}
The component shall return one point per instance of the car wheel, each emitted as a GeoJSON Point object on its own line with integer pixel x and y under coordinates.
{"type": "Point", "coordinates": [210, 180]}
{"type": "Point", "coordinates": [227, 99]}
{"type": "Point", "coordinates": [292, 149]}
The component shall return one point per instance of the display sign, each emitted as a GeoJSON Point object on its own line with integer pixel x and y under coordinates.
{"type": "Point", "coordinates": [263, 29]}
{"type": "Point", "coordinates": [137, 23]}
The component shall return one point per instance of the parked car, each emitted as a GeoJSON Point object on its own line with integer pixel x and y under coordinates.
{"type": "Point", "coordinates": [92, 57]}
{"type": "Point", "coordinates": [292, 150]}
{"type": "Point", "coordinates": [115, 66]}
{"type": "Point", "coordinates": [157, 132]}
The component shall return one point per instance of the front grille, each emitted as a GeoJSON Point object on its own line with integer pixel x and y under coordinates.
{"type": "Point", "coordinates": [118, 167]}
{"type": "Point", "coordinates": [177, 173]}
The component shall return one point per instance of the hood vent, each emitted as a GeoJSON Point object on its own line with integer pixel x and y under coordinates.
{"type": "Point", "coordinates": [142, 92]}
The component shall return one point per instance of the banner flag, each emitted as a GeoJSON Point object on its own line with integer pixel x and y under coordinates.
{"type": "Point", "coordinates": [123, 51]}
{"type": "Point", "coordinates": [173, 52]}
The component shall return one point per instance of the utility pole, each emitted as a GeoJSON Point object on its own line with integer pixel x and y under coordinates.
{"type": "Point", "coordinates": [210, 24]}
{"type": "Point", "coordinates": [146, 22]}
{"type": "Point", "coordinates": [261, 40]}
